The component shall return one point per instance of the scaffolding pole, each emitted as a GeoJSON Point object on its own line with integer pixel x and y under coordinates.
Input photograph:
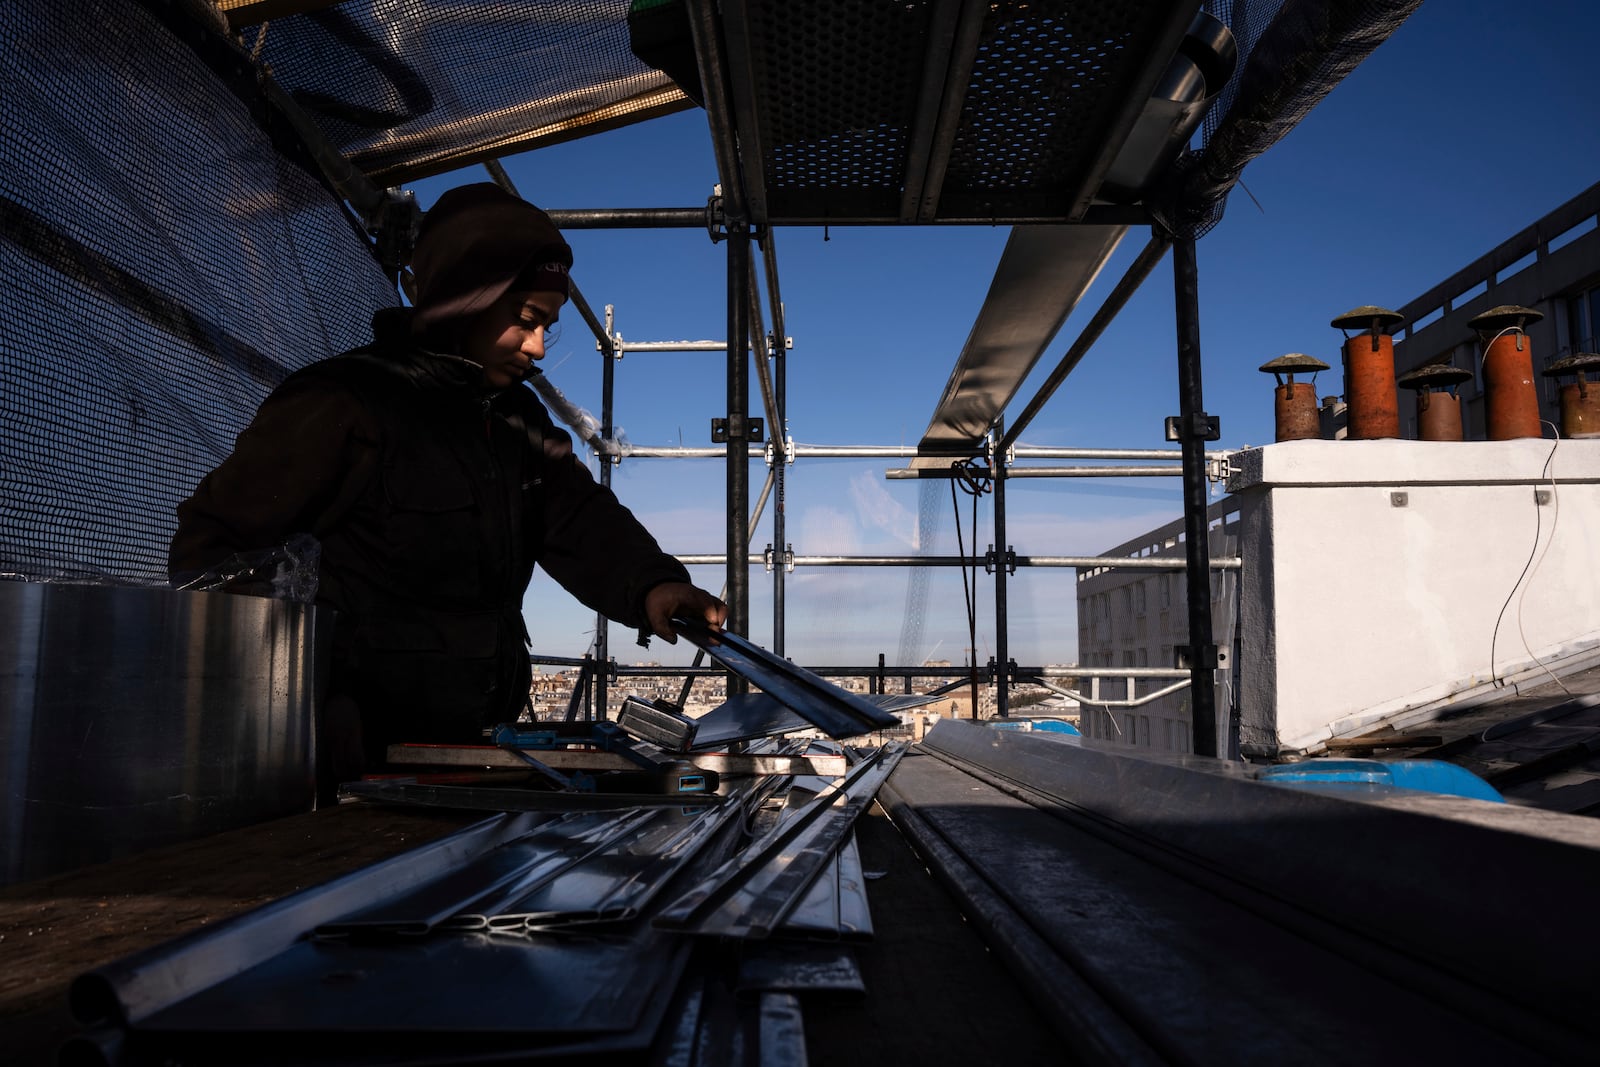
{"type": "Point", "coordinates": [1192, 429]}
{"type": "Point", "coordinates": [738, 436]}
{"type": "Point", "coordinates": [999, 554]}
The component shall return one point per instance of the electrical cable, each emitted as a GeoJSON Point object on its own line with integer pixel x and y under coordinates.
{"type": "Point", "coordinates": [1527, 569]}
{"type": "Point", "coordinates": [975, 479]}
{"type": "Point", "coordinates": [1555, 519]}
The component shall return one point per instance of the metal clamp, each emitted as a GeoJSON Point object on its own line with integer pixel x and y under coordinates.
{"type": "Point", "coordinates": [1211, 657]}
{"type": "Point", "coordinates": [1219, 467]}
{"type": "Point", "coordinates": [1201, 427]}
{"type": "Point", "coordinates": [716, 224]}
{"type": "Point", "coordinates": [741, 427]}
{"type": "Point", "coordinates": [991, 560]}
{"type": "Point", "coordinates": [788, 452]}
{"type": "Point", "coordinates": [771, 558]}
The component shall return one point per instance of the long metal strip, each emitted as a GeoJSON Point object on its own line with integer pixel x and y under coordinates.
{"type": "Point", "coordinates": [508, 872]}
{"type": "Point", "coordinates": [1043, 273]}
{"type": "Point", "coordinates": [835, 711]}
{"type": "Point", "coordinates": [489, 798]}
{"type": "Point", "coordinates": [752, 894]}
{"type": "Point", "coordinates": [1089, 1026]}
{"type": "Point", "coordinates": [614, 883]}
{"type": "Point", "coordinates": [1272, 850]}
{"type": "Point", "coordinates": [835, 907]}
{"type": "Point", "coordinates": [732, 764]}
{"type": "Point", "coordinates": [135, 988]}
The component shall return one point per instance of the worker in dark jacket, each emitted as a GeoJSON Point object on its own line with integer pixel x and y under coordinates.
{"type": "Point", "coordinates": [434, 481]}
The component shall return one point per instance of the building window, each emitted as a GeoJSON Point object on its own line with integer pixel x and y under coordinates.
{"type": "Point", "coordinates": [1583, 321]}
{"type": "Point", "coordinates": [1143, 658]}
{"type": "Point", "coordinates": [1164, 590]}
{"type": "Point", "coordinates": [1138, 598]}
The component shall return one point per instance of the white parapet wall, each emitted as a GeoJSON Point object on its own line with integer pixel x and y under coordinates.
{"type": "Point", "coordinates": [1383, 578]}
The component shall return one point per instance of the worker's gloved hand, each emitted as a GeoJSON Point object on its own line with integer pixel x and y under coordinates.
{"type": "Point", "coordinates": [664, 601]}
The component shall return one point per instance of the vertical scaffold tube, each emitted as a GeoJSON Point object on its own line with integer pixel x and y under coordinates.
{"type": "Point", "coordinates": [1197, 557]}
{"type": "Point", "coordinates": [738, 433]}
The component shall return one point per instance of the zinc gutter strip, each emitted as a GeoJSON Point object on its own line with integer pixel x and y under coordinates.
{"type": "Point", "coordinates": [136, 987]}
{"type": "Point", "coordinates": [835, 907]}
{"type": "Point", "coordinates": [753, 893]}
{"type": "Point", "coordinates": [835, 711]}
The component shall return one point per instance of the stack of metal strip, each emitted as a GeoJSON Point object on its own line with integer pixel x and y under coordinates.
{"type": "Point", "coordinates": [568, 931]}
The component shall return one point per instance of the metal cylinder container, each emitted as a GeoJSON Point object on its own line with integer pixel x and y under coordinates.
{"type": "Point", "coordinates": [1295, 403]}
{"type": "Point", "coordinates": [1296, 411]}
{"type": "Point", "coordinates": [137, 717]}
{"type": "Point", "coordinates": [1579, 399]}
{"type": "Point", "coordinates": [1439, 416]}
{"type": "Point", "coordinates": [1511, 403]}
{"type": "Point", "coordinates": [1369, 381]}
{"type": "Point", "coordinates": [1438, 405]}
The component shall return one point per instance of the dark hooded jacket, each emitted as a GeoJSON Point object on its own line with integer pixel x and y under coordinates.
{"type": "Point", "coordinates": [432, 499]}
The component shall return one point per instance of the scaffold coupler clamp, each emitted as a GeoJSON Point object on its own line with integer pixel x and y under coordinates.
{"type": "Point", "coordinates": [771, 558]}
{"type": "Point", "coordinates": [1196, 427]}
{"type": "Point", "coordinates": [393, 223]}
{"type": "Point", "coordinates": [992, 559]}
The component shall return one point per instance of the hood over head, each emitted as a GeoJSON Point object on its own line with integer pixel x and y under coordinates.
{"type": "Point", "coordinates": [474, 243]}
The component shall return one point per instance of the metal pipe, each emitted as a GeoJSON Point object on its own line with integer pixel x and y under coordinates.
{"type": "Point", "coordinates": [1002, 666]}
{"type": "Point", "coordinates": [1196, 526]}
{"type": "Point", "coordinates": [1111, 137]}
{"type": "Point", "coordinates": [954, 32]}
{"type": "Point", "coordinates": [1170, 471]}
{"type": "Point", "coordinates": [780, 468]}
{"type": "Point", "coordinates": [909, 452]}
{"type": "Point", "coordinates": [1136, 702]}
{"type": "Point", "coordinates": [706, 31]}
{"type": "Point", "coordinates": [694, 218]}
{"type": "Point", "coordinates": [1129, 284]}
{"type": "Point", "coordinates": [602, 625]}
{"type": "Point", "coordinates": [910, 473]}
{"type": "Point", "coordinates": [648, 218]}
{"type": "Point", "coordinates": [1145, 563]}
{"type": "Point", "coordinates": [686, 452]}
{"type": "Point", "coordinates": [635, 347]}
{"type": "Point", "coordinates": [958, 674]}
{"type": "Point", "coordinates": [758, 352]}
{"type": "Point", "coordinates": [738, 547]}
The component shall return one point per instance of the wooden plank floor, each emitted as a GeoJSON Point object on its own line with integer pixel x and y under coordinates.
{"type": "Point", "coordinates": [54, 929]}
{"type": "Point", "coordinates": [933, 991]}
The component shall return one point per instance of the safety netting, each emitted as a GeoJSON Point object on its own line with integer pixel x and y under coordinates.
{"type": "Point", "coordinates": [1291, 55]}
{"type": "Point", "coordinates": [406, 90]}
{"type": "Point", "coordinates": [165, 263]}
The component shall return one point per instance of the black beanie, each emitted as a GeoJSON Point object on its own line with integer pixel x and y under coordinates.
{"type": "Point", "coordinates": [474, 243]}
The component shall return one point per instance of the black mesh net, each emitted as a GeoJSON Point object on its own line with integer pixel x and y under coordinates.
{"type": "Point", "coordinates": [164, 268]}
{"type": "Point", "coordinates": [1291, 55]}
{"type": "Point", "coordinates": [405, 90]}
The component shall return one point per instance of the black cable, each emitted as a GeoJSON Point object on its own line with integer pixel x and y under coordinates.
{"type": "Point", "coordinates": [1538, 520]}
{"type": "Point", "coordinates": [974, 478]}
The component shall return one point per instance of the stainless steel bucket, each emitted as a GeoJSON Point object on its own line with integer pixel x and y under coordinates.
{"type": "Point", "coordinates": [137, 717]}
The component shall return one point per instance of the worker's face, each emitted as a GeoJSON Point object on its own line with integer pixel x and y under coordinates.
{"type": "Point", "coordinates": [507, 337]}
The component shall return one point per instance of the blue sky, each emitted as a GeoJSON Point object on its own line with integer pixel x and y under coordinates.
{"type": "Point", "coordinates": [1471, 122]}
